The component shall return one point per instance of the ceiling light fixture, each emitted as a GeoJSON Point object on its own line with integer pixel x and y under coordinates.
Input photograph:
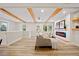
{"type": "Point", "coordinates": [42, 10]}
{"type": "Point", "coordinates": [64, 12]}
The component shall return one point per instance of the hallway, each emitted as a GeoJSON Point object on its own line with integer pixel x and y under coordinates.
{"type": "Point", "coordinates": [25, 47]}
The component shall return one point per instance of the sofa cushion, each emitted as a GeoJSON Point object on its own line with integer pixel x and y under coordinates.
{"type": "Point", "coordinates": [40, 41]}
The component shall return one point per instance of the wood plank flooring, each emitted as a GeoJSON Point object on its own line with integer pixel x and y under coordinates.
{"type": "Point", "coordinates": [26, 47]}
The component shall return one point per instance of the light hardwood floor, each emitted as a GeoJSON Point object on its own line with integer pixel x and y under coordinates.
{"type": "Point", "coordinates": [26, 47]}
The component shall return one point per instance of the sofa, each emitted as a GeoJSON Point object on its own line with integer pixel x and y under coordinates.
{"type": "Point", "coordinates": [42, 42]}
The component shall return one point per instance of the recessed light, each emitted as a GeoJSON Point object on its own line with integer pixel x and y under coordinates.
{"type": "Point", "coordinates": [64, 12]}
{"type": "Point", "coordinates": [42, 10]}
{"type": "Point", "coordinates": [38, 18]}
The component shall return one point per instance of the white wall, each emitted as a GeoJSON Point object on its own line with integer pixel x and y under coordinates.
{"type": "Point", "coordinates": [67, 19]}
{"type": "Point", "coordinates": [10, 37]}
{"type": "Point", "coordinates": [74, 33]}
{"type": "Point", "coordinates": [75, 37]}
{"type": "Point", "coordinates": [13, 33]}
{"type": "Point", "coordinates": [31, 28]}
{"type": "Point", "coordinates": [14, 30]}
{"type": "Point", "coordinates": [12, 26]}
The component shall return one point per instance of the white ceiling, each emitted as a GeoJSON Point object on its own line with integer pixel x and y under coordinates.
{"type": "Point", "coordinates": [39, 5]}
{"type": "Point", "coordinates": [43, 15]}
{"type": "Point", "coordinates": [8, 18]}
{"type": "Point", "coordinates": [23, 13]}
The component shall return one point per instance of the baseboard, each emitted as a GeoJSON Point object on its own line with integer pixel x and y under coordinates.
{"type": "Point", "coordinates": [65, 40]}
{"type": "Point", "coordinates": [14, 41]}
{"type": "Point", "coordinates": [74, 44]}
{"type": "Point", "coordinates": [3, 46]}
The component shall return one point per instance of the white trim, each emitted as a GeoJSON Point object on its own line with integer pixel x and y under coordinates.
{"type": "Point", "coordinates": [14, 41]}
{"type": "Point", "coordinates": [61, 38]}
{"type": "Point", "coordinates": [2, 46]}
{"type": "Point", "coordinates": [74, 44]}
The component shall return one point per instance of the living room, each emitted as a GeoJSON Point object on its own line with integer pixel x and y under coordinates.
{"type": "Point", "coordinates": [35, 25]}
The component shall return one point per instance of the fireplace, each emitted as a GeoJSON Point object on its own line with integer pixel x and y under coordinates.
{"type": "Point", "coordinates": [62, 34]}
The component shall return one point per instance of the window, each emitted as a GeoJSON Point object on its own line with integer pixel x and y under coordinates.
{"type": "Point", "coordinates": [24, 27]}
{"type": "Point", "coordinates": [38, 28]}
{"type": "Point", "coordinates": [49, 27]}
{"type": "Point", "coordinates": [3, 26]}
{"type": "Point", "coordinates": [45, 28]}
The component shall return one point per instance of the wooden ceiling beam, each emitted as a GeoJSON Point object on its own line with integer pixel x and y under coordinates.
{"type": "Point", "coordinates": [32, 14]}
{"type": "Point", "coordinates": [10, 14]}
{"type": "Point", "coordinates": [54, 14]}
